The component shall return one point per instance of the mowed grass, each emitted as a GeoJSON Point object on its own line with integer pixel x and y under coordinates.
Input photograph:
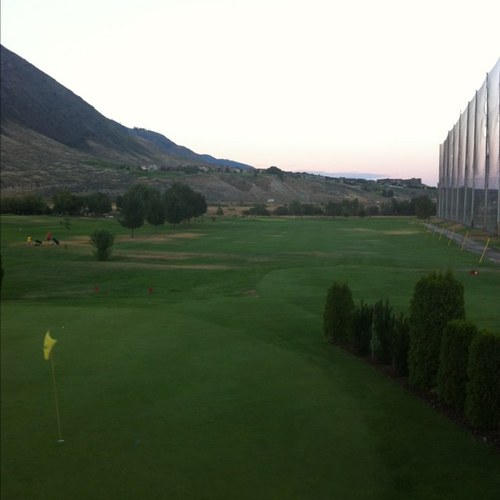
{"type": "Point", "coordinates": [192, 365]}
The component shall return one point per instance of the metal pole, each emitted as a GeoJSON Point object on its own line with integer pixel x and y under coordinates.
{"type": "Point", "coordinates": [486, 161]}
{"type": "Point", "coordinates": [60, 440]}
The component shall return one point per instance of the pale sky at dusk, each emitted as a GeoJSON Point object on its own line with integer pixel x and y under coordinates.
{"type": "Point", "coordinates": [312, 85]}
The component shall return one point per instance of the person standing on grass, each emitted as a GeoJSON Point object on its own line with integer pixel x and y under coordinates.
{"type": "Point", "coordinates": [49, 236]}
{"type": "Point", "coordinates": [28, 241]}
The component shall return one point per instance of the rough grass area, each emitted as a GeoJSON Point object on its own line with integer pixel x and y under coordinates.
{"type": "Point", "coordinates": [192, 365]}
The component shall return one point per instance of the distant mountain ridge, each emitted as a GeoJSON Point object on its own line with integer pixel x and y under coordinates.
{"type": "Point", "coordinates": [51, 139]}
{"type": "Point", "coordinates": [34, 100]}
{"type": "Point", "coordinates": [182, 152]}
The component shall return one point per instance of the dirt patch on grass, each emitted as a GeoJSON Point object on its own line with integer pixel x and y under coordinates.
{"type": "Point", "coordinates": [79, 241]}
{"type": "Point", "coordinates": [401, 232]}
{"type": "Point", "coordinates": [170, 256]}
{"type": "Point", "coordinates": [186, 235]}
{"type": "Point", "coordinates": [154, 238]}
{"type": "Point", "coordinates": [389, 232]}
{"type": "Point", "coordinates": [156, 265]}
{"type": "Point", "coordinates": [76, 241]}
{"type": "Point", "coordinates": [152, 255]}
{"type": "Point", "coordinates": [159, 238]}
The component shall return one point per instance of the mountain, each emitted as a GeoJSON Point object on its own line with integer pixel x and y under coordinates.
{"type": "Point", "coordinates": [51, 139]}
{"type": "Point", "coordinates": [167, 146]}
{"type": "Point", "coordinates": [45, 125]}
{"type": "Point", "coordinates": [34, 100]}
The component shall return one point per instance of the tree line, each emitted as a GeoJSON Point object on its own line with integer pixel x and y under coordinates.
{"type": "Point", "coordinates": [421, 206]}
{"type": "Point", "coordinates": [62, 203]}
{"type": "Point", "coordinates": [176, 205]}
{"type": "Point", "coordinates": [141, 203]}
{"type": "Point", "coordinates": [435, 347]}
{"type": "Point", "coordinates": [138, 204]}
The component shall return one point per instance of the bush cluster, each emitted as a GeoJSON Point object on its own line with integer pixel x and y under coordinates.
{"type": "Point", "coordinates": [383, 332]}
{"type": "Point", "coordinates": [63, 203]}
{"type": "Point", "coordinates": [437, 299]}
{"type": "Point", "coordinates": [366, 329]}
{"type": "Point", "coordinates": [401, 344]}
{"type": "Point", "coordinates": [435, 346]}
{"type": "Point", "coordinates": [482, 402]}
{"type": "Point", "coordinates": [423, 207]}
{"type": "Point", "coordinates": [68, 203]}
{"type": "Point", "coordinates": [143, 203]}
{"type": "Point", "coordinates": [29, 204]}
{"type": "Point", "coordinates": [337, 317]}
{"type": "Point", "coordinates": [362, 317]}
{"type": "Point", "coordinates": [102, 241]}
{"type": "Point", "coordinates": [454, 357]}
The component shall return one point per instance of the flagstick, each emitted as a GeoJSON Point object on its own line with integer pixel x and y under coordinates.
{"type": "Point", "coordinates": [60, 440]}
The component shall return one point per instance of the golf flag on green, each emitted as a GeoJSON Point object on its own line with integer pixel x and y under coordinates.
{"type": "Point", "coordinates": [48, 344]}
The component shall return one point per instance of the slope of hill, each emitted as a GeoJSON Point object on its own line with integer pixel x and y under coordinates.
{"type": "Point", "coordinates": [34, 100]}
{"type": "Point", "coordinates": [34, 103]}
{"type": "Point", "coordinates": [52, 139]}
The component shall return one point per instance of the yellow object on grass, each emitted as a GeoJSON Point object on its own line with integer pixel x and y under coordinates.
{"type": "Point", "coordinates": [48, 344]}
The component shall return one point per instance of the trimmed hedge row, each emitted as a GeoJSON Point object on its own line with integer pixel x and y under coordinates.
{"type": "Point", "coordinates": [435, 347]}
{"type": "Point", "coordinates": [337, 318]}
{"type": "Point", "coordinates": [437, 299]}
{"type": "Point", "coordinates": [452, 376]}
{"type": "Point", "coordinates": [482, 402]}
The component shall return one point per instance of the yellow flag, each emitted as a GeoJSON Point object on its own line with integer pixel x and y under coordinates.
{"type": "Point", "coordinates": [48, 344]}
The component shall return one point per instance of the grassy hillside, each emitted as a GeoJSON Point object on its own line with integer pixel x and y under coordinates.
{"type": "Point", "coordinates": [193, 365]}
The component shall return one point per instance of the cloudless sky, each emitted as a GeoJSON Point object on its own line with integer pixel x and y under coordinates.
{"type": "Point", "coordinates": [366, 86]}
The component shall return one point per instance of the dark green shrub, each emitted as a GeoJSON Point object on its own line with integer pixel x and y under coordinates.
{"type": "Point", "coordinates": [257, 209]}
{"type": "Point", "coordinates": [98, 203]}
{"type": "Point", "coordinates": [424, 207]}
{"type": "Point", "coordinates": [383, 327]}
{"type": "Point", "coordinates": [102, 241]}
{"type": "Point", "coordinates": [454, 358]}
{"type": "Point", "coordinates": [281, 210]}
{"type": "Point", "coordinates": [337, 317]}
{"type": "Point", "coordinates": [362, 317]}
{"type": "Point", "coordinates": [29, 204]}
{"type": "Point", "coordinates": [68, 203]}
{"type": "Point", "coordinates": [437, 299]}
{"type": "Point", "coordinates": [401, 344]}
{"type": "Point", "coordinates": [482, 402]}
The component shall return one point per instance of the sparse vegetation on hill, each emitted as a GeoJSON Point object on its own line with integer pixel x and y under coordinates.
{"type": "Point", "coordinates": [52, 140]}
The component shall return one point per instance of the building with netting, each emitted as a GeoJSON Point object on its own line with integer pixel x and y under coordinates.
{"type": "Point", "coordinates": [469, 161]}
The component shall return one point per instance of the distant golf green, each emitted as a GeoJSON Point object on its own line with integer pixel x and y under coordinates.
{"type": "Point", "coordinates": [192, 364]}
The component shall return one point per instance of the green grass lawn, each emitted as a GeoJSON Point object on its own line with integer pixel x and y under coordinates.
{"type": "Point", "coordinates": [192, 365]}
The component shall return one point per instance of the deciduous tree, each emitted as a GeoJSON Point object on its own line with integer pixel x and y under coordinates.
{"type": "Point", "coordinates": [133, 208]}
{"type": "Point", "coordinates": [183, 203]}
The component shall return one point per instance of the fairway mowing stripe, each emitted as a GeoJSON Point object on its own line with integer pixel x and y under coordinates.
{"type": "Point", "coordinates": [142, 265]}
{"type": "Point", "coordinates": [154, 254]}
